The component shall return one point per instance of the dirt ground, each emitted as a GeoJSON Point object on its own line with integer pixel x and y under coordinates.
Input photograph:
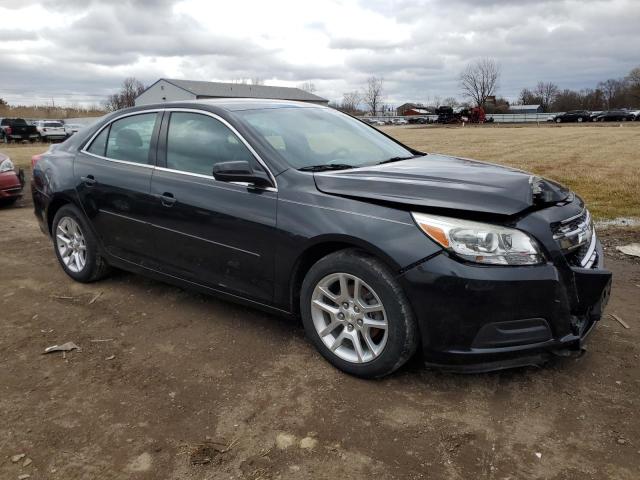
{"type": "Point", "coordinates": [173, 384]}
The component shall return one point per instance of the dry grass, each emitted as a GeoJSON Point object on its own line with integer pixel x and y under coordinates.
{"type": "Point", "coordinates": [21, 154]}
{"type": "Point", "coordinates": [44, 111]}
{"type": "Point", "coordinates": [601, 163]}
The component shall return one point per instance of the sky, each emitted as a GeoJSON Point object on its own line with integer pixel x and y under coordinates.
{"type": "Point", "coordinates": [79, 51]}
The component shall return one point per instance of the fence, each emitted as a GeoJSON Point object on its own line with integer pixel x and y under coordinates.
{"type": "Point", "coordinates": [497, 118]}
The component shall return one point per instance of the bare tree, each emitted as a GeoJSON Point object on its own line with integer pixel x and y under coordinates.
{"type": "Point", "coordinates": [611, 89]}
{"type": "Point", "coordinates": [350, 101]}
{"type": "Point", "coordinates": [527, 97]}
{"type": "Point", "coordinates": [126, 97]}
{"type": "Point", "coordinates": [257, 81]}
{"type": "Point", "coordinates": [479, 80]}
{"type": "Point", "coordinates": [374, 94]}
{"type": "Point", "coordinates": [307, 87]}
{"type": "Point", "coordinates": [451, 101]}
{"type": "Point", "coordinates": [547, 93]}
{"type": "Point", "coordinates": [633, 82]}
{"type": "Point", "coordinates": [3, 102]}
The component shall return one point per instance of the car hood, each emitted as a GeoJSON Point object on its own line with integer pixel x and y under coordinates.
{"type": "Point", "coordinates": [439, 181]}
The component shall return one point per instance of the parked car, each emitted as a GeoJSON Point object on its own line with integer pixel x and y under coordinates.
{"type": "Point", "coordinates": [419, 120]}
{"type": "Point", "coordinates": [379, 248]}
{"type": "Point", "coordinates": [614, 116]}
{"type": "Point", "coordinates": [573, 116]}
{"type": "Point", "coordinates": [51, 130]}
{"type": "Point", "coordinates": [11, 181]}
{"type": "Point", "coordinates": [17, 130]}
{"type": "Point", "coordinates": [399, 121]}
{"type": "Point", "coordinates": [71, 128]}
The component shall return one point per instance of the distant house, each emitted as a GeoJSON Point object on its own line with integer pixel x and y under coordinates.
{"type": "Point", "coordinates": [407, 108]}
{"type": "Point", "coordinates": [416, 111]}
{"type": "Point", "coordinates": [170, 90]}
{"type": "Point", "coordinates": [404, 107]}
{"type": "Point", "coordinates": [525, 109]}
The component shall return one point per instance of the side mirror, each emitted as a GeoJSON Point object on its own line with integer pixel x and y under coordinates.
{"type": "Point", "coordinates": [240, 171]}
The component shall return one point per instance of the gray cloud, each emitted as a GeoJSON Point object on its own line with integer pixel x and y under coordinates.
{"type": "Point", "coordinates": [428, 42]}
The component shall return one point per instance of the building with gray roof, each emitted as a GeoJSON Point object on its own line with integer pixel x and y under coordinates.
{"type": "Point", "coordinates": [170, 90]}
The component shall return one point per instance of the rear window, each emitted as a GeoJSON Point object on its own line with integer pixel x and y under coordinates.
{"type": "Point", "coordinates": [52, 124]}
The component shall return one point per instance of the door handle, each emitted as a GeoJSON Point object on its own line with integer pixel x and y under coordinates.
{"type": "Point", "coordinates": [167, 199]}
{"type": "Point", "coordinates": [89, 180]}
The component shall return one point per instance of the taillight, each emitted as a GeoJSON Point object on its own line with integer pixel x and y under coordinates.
{"type": "Point", "coordinates": [8, 130]}
{"type": "Point", "coordinates": [35, 159]}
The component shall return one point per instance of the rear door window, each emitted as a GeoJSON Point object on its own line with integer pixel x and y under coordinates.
{"type": "Point", "coordinates": [99, 144]}
{"type": "Point", "coordinates": [130, 138]}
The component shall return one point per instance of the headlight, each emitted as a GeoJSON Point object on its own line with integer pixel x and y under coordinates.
{"type": "Point", "coordinates": [6, 165]}
{"type": "Point", "coordinates": [481, 242]}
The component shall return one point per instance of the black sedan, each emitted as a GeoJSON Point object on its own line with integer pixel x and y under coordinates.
{"type": "Point", "coordinates": [614, 116]}
{"type": "Point", "coordinates": [379, 249]}
{"type": "Point", "coordinates": [573, 116]}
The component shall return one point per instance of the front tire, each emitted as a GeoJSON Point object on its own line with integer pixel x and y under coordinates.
{"type": "Point", "coordinates": [357, 315]}
{"type": "Point", "coordinates": [76, 246]}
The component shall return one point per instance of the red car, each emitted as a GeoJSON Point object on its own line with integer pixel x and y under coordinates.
{"type": "Point", "coordinates": [11, 181]}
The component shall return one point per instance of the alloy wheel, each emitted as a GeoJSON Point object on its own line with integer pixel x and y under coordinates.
{"type": "Point", "coordinates": [71, 244]}
{"type": "Point", "coordinates": [349, 317]}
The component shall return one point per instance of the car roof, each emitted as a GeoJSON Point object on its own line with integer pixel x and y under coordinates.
{"type": "Point", "coordinates": [236, 104]}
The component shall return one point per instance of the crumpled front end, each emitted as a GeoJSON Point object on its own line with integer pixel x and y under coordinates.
{"type": "Point", "coordinates": [477, 318]}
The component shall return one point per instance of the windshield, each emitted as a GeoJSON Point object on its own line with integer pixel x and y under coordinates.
{"type": "Point", "coordinates": [312, 136]}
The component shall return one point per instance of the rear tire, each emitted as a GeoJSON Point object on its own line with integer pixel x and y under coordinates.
{"type": "Point", "coordinates": [76, 246]}
{"type": "Point", "coordinates": [368, 307]}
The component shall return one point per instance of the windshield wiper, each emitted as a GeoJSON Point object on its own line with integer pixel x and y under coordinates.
{"type": "Point", "coordinates": [397, 159]}
{"type": "Point", "coordinates": [324, 167]}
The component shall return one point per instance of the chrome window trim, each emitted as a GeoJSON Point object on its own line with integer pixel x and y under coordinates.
{"type": "Point", "coordinates": [144, 165]}
{"type": "Point", "coordinates": [188, 110]}
{"type": "Point", "coordinates": [99, 131]}
{"type": "Point", "coordinates": [211, 177]}
{"type": "Point", "coordinates": [237, 134]}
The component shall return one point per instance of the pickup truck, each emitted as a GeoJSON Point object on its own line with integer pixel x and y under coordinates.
{"type": "Point", "coordinates": [51, 130]}
{"type": "Point", "coordinates": [17, 129]}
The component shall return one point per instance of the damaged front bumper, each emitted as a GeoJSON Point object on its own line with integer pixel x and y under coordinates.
{"type": "Point", "coordinates": [479, 318]}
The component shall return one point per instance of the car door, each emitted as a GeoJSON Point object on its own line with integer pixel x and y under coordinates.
{"type": "Point", "coordinates": [113, 181]}
{"type": "Point", "coordinates": [212, 233]}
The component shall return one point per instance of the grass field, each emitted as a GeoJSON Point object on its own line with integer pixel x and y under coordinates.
{"type": "Point", "coordinates": [21, 154]}
{"type": "Point", "coordinates": [601, 163]}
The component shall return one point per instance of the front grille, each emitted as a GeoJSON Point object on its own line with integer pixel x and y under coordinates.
{"type": "Point", "coordinates": [577, 240]}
